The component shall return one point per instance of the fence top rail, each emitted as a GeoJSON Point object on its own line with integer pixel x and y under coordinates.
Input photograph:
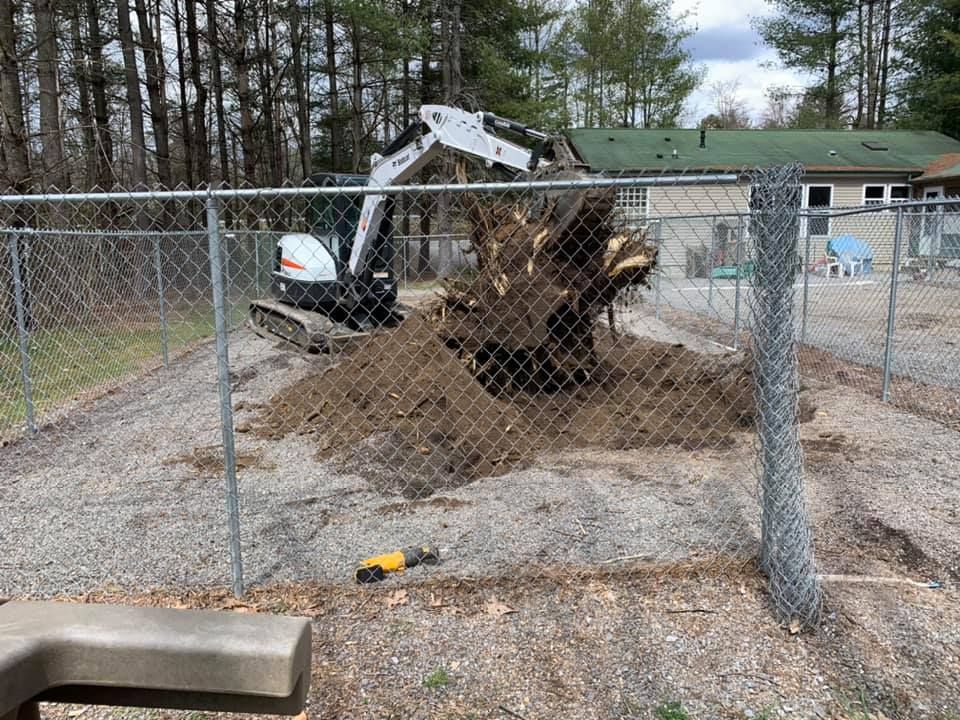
{"type": "Point", "coordinates": [481, 187]}
{"type": "Point", "coordinates": [885, 207]}
{"type": "Point", "coordinates": [103, 233]}
{"type": "Point", "coordinates": [831, 212]}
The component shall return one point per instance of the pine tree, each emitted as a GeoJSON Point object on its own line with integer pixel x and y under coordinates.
{"type": "Point", "coordinates": [932, 57]}
{"type": "Point", "coordinates": [813, 36]}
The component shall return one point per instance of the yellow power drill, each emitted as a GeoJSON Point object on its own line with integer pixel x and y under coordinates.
{"type": "Point", "coordinates": [376, 568]}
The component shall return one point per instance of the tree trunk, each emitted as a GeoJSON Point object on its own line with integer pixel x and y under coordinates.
{"type": "Point", "coordinates": [51, 132]}
{"type": "Point", "coordinates": [456, 72]}
{"type": "Point", "coordinates": [98, 87]}
{"type": "Point", "coordinates": [138, 147]}
{"type": "Point", "coordinates": [201, 149]}
{"type": "Point", "coordinates": [884, 63]}
{"type": "Point", "coordinates": [156, 95]}
{"type": "Point", "coordinates": [871, 66]}
{"type": "Point", "coordinates": [182, 87]}
{"type": "Point", "coordinates": [452, 79]}
{"type": "Point", "coordinates": [274, 99]}
{"type": "Point", "coordinates": [242, 73]}
{"type": "Point", "coordinates": [84, 112]}
{"type": "Point", "coordinates": [356, 105]}
{"type": "Point", "coordinates": [538, 65]}
{"type": "Point", "coordinates": [336, 134]}
{"type": "Point", "coordinates": [213, 39]}
{"type": "Point", "coordinates": [300, 89]}
{"type": "Point", "coordinates": [832, 100]}
{"type": "Point", "coordinates": [861, 68]}
{"type": "Point", "coordinates": [268, 135]}
{"type": "Point", "coordinates": [16, 168]}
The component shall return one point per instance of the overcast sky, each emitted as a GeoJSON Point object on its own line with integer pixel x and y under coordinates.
{"type": "Point", "coordinates": [730, 50]}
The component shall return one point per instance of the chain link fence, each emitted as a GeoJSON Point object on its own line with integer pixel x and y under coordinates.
{"type": "Point", "coordinates": [877, 290]}
{"type": "Point", "coordinates": [531, 378]}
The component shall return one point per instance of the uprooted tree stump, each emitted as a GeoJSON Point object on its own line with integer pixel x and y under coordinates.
{"type": "Point", "coordinates": [526, 320]}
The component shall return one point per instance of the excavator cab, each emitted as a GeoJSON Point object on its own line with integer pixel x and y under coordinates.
{"type": "Point", "coordinates": [369, 297]}
{"type": "Point", "coordinates": [311, 272]}
{"type": "Point", "coordinates": [315, 298]}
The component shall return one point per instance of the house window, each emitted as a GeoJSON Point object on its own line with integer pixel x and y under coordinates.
{"type": "Point", "coordinates": [874, 194]}
{"type": "Point", "coordinates": [883, 194]}
{"type": "Point", "coordinates": [632, 206]}
{"type": "Point", "coordinates": [899, 193]}
{"type": "Point", "coordinates": [818, 196]}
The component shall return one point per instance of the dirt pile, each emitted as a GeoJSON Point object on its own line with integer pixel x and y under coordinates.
{"type": "Point", "coordinates": [407, 412]}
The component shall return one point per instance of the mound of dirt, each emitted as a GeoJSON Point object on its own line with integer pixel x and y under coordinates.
{"type": "Point", "coordinates": [407, 412]}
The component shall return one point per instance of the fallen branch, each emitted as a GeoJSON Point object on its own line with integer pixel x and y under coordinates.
{"type": "Point", "coordinates": [880, 580]}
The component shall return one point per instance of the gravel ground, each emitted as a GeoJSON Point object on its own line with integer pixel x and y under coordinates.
{"type": "Point", "coordinates": [129, 493]}
{"type": "Point", "coordinates": [120, 497]}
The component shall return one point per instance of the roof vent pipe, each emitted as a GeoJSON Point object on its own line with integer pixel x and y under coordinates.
{"type": "Point", "coordinates": [703, 139]}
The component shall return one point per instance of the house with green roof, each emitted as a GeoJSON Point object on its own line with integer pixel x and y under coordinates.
{"type": "Point", "coordinates": [843, 168]}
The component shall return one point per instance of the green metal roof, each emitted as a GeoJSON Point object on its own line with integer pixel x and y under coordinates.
{"type": "Point", "coordinates": [630, 150]}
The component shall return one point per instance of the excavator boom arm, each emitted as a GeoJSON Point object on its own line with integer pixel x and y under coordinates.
{"type": "Point", "coordinates": [447, 127]}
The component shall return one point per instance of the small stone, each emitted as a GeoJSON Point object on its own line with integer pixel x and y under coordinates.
{"type": "Point", "coordinates": [748, 713]}
{"type": "Point", "coordinates": [395, 660]}
{"type": "Point", "coordinates": [672, 638]}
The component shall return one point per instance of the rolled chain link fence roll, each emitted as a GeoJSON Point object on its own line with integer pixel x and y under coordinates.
{"type": "Point", "coordinates": [786, 553]}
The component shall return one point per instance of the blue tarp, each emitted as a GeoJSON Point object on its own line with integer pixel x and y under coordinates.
{"type": "Point", "coordinates": [850, 249]}
{"type": "Point", "coordinates": [854, 247]}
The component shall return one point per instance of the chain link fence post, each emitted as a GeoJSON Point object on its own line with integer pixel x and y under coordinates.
{"type": "Point", "coordinates": [786, 553]}
{"type": "Point", "coordinates": [23, 333]}
{"type": "Point", "coordinates": [161, 293]}
{"type": "Point", "coordinates": [657, 295]}
{"type": "Point", "coordinates": [892, 305]}
{"type": "Point", "coordinates": [256, 261]}
{"type": "Point", "coordinates": [710, 254]}
{"type": "Point", "coordinates": [806, 287]}
{"type": "Point", "coordinates": [935, 240]}
{"type": "Point", "coordinates": [736, 296]}
{"type": "Point", "coordinates": [223, 385]}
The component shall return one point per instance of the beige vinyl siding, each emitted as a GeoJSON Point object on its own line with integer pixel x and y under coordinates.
{"type": "Point", "coordinates": [693, 217]}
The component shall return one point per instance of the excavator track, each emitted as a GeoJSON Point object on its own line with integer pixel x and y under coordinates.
{"type": "Point", "coordinates": [310, 331]}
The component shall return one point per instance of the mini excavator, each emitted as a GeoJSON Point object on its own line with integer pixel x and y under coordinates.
{"type": "Point", "coordinates": [339, 281]}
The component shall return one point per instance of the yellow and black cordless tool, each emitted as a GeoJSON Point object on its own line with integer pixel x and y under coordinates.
{"type": "Point", "coordinates": [376, 568]}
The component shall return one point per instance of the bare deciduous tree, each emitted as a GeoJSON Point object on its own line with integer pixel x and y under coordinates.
{"type": "Point", "coordinates": [13, 130]}
{"type": "Point", "coordinates": [138, 144]}
{"type": "Point", "coordinates": [51, 132]}
{"type": "Point", "coordinates": [730, 110]}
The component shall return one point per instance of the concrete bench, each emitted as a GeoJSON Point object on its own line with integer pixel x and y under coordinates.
{"type": "Point", "coordinates": [151, 657]}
